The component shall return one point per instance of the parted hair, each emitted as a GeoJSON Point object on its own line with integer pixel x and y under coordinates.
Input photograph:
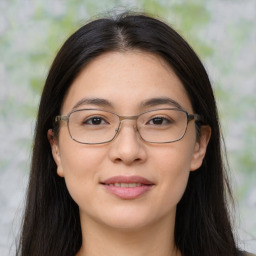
{"type": "Point", "coordinates": [51, 223]}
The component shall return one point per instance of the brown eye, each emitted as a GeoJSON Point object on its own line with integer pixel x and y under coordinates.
{"type": "Point", "coordinates": [95, 121]}
{"type": "Point", "coordinates": [159, 121]}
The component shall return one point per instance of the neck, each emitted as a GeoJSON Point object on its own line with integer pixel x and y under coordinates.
{"type": "Point", "coordinates": [158, 239]}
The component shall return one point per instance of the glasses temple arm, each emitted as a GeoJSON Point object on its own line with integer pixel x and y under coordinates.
{"type": "Point", "coordinates": [196, 117]}
{"type": "Point", "coordinates": [61, 118]}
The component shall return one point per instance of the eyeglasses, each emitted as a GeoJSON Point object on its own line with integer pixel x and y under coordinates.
{"type": "Point", "coordinates": [94, 126]}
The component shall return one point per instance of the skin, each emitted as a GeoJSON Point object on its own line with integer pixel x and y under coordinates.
{"type": "Point", "coordinates": [145, 225]}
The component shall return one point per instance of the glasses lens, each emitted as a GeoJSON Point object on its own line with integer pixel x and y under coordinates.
{"type": "Point", "coordinates": [93, 126]}
{"type": "Point", "coordinates": [163, 125]}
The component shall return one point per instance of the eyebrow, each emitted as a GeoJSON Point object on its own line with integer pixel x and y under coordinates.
{"type": "Point", "coordinates": [93, 101]}
{"type": "Point", "coordinates": [160, 101]}
{"type": "Point", "coordinates": [147, 103]}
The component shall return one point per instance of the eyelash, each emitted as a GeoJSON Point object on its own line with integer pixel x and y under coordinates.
{"type": "Point", "coordinates": [87, 120]}
{"type": "Point", "coordinates": [163, 119]}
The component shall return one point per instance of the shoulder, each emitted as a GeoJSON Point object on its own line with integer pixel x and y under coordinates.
{"type": "Point", "coordinates": [248, 254]}
{"type": "Point", "coordinates": [244, 253]}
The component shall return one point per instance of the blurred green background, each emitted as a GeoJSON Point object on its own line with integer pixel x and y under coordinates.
{"type": "Point", "coordinates": [222, 32]}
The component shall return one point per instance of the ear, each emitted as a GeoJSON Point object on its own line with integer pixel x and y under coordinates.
{"type": "Point", "coordinates": [55, 152]}
{"type": "Point", "coordinates": [200, 147]}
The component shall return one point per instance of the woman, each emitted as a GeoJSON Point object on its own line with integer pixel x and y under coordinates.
{"type": "Point", "coordinates": [127, 157]}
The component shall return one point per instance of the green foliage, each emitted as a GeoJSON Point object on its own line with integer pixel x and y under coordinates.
{"type": "Point", "coordinates": [191, 15]}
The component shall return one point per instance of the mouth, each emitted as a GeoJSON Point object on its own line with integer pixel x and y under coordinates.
{"type": "Point", "coordinates": [125, 187]}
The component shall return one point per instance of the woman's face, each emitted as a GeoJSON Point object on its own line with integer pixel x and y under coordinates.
{"type": "Point", "coordinates": [125, 82]}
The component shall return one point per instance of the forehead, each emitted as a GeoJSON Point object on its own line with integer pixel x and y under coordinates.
{"type": "Point", "coordinates": [126, 79]}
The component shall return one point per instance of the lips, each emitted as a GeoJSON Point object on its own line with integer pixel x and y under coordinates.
{"type": "Point", "coordinates": [127, 187]}
{"type": "Point", "coordinates": [127, 179]}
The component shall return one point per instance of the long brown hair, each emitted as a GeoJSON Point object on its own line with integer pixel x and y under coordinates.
{"type": "Point", "coordinates": [51, 224]}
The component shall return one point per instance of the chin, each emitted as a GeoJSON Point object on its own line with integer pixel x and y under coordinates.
{"type": "Point", "coordinates": [125, 225]}
{"type": "Point", "coordinates": [131, 219]}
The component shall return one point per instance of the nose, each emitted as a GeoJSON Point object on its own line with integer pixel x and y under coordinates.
{"type": "Point", "coordinates": [128, 146]}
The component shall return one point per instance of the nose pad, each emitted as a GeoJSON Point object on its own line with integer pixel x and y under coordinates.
{"type": "Point", "coordinates": [117, 130]}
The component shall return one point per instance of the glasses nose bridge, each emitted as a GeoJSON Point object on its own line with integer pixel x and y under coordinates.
{"type": "Point", "coordinates": [122, 118]}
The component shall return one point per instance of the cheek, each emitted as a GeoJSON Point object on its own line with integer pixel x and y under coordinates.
{"type": "Point", "coordinates": [173, 169]}
{"type": "Point", "coordinates": [173, 161]}
{"type": "Point", "coordinates": [80, 162]}
{"type": "Point", "coordinates": [174, 174]}
{"type": "Point", "coordinates": [81, 165]}
{"type": "Point", "coordinates": [78, 159]}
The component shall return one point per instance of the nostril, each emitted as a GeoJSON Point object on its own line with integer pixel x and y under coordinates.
{"type": "Point", "coordinates": [118, 160]}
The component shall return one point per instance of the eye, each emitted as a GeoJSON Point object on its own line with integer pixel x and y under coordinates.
{"type": "Point", "coordinates": [159, 121]}
{"type": "Point", "coordinates": [95, 120]}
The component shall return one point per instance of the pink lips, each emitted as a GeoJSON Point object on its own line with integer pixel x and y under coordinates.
{"type": "Point", "coordinates": [127, 187]}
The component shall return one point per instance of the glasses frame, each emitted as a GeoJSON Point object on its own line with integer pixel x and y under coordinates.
{"type": "Point", "coordinates": [65, 118]}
